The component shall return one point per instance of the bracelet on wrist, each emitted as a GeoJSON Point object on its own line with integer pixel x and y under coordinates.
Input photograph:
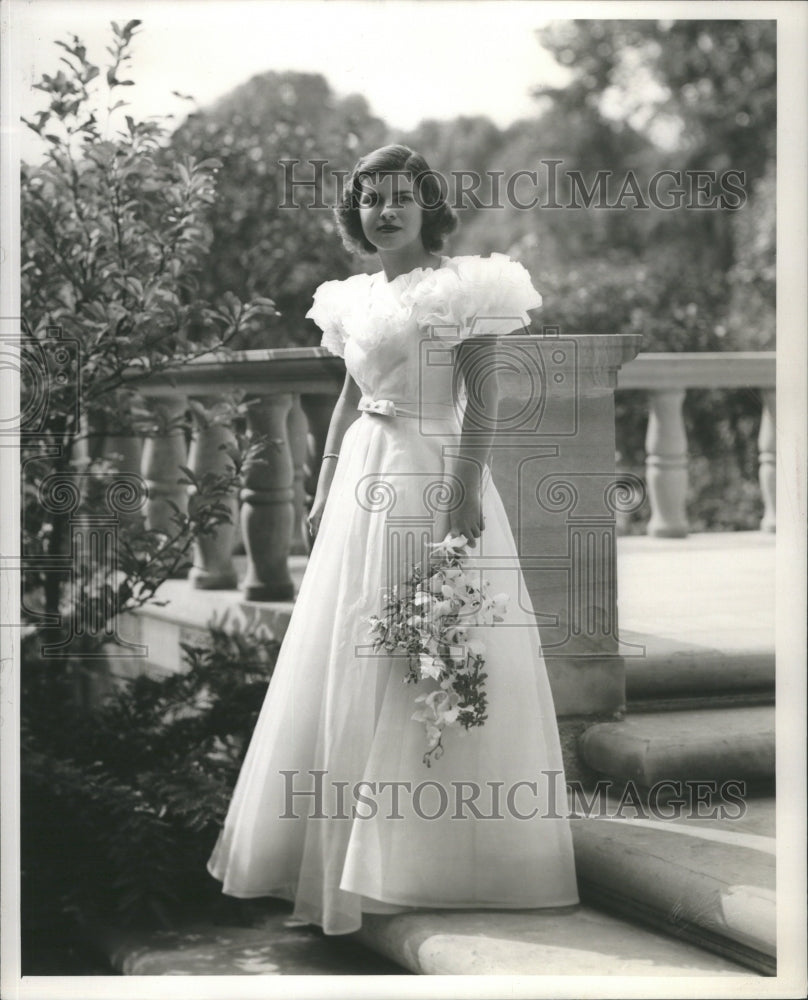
{"type": "Point", "coordinates": [330, 454]}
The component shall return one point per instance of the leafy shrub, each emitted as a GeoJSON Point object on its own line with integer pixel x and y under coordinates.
{"type": "Point", "coordinates": [121, 806]}
{"type": "Point", "coordinates": [114, 232]}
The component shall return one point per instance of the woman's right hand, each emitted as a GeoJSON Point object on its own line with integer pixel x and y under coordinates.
{"type": "Point", "coordinates": [316, 515]}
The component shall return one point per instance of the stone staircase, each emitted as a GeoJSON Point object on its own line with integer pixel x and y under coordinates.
{"type": "Point", "coordinates": [662, 894]}
{"type": "Point", "coordinates": [700, 716]}
{"type": "Point", "coordinates": [689, 894]}
{"type": "Point", "coordinates": [706, 872]}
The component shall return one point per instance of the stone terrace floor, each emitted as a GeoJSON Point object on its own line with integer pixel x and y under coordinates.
{"type": "Point", "coordinates": [711, 589]}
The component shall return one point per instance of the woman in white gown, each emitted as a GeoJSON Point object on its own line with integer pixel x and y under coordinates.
{"type": "Point", "coordinates": [334, 808]}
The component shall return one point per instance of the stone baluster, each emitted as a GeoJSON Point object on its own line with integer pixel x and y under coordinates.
{"type": "Point", "coordinates": [239, 549]}
{"type": "Point", "coordinates": [96, 439]}
{"type": "Point", "coordinates": [267, 511]}
{"type": "Point", "coordinates": [666, 463]}
{"type": "Point", "coordinates": [80, 450]}
{"type": "Point", "coordinates": [767, 442]}
{"type": "Point", "coordinates": [318, 409]}
{"type": "Point", "coordinates": [213, 567]}
{"type": "Point", "coordinates": [298, 443]}
{"type": "Point", "coordinates": [99, 440]}
{"type": "Point", "coordinates": [163, 454]}
{"type": "Point", "coordinates": [125, 453]}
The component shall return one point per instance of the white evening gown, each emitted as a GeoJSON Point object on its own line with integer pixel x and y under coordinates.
{"type": "Point", "coordinates": [336, 709]}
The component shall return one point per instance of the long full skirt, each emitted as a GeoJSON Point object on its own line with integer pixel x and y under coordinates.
{"type": "Point", "coordinates": [334, 808]}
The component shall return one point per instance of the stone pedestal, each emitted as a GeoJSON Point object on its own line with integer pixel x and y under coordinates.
{"type": "Point", "coordinates": [554, 466]}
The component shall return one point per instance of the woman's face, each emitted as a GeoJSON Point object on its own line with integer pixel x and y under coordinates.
{"type": "Point", "coordinates": [389, 212]}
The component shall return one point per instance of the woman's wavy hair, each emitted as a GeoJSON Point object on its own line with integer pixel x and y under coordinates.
{"type": "Point", "coordinates": [438, 220]}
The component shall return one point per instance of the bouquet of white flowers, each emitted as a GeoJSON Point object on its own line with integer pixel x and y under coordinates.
{"type": "Point", "coordinates": [429, 623]}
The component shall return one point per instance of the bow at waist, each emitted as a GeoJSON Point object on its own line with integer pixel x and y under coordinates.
{"type": "Point", "coordinates": [386, 407]}
{"type": "Point", "coordinates": [394, 408]}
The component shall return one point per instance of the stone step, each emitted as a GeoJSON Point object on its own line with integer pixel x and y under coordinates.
{"type": "Point", "coordinates": [702, 744]}
{"type": "Point", "coordinates": [709, 885]}
{"type": "Point", "coordinates": [697, 619]}
{"type": "Point", "coordinates": [579, 941]}
{"type": "Point", "coordinates": [676, 671]}
{"type": "Point", "coordinates": [265, 945]}
{"type": "Point", "coordinates": [687, 703]}
{"type": "Point", "coordinates": [689, 896]}
{"type": "Point", "coordinates": [701, 889]}
{"type": "Point", "coordinates": [573, 941]}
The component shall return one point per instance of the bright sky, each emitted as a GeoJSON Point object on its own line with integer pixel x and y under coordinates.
{"type": "Point", "coordinates": [428, 58]}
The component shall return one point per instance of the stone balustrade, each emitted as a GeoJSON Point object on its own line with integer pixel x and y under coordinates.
{"type": "Point", "coordinates": [666, 378]}
{"type": "Point", "coordinates": [553, 464]}
{"type": "Point", "coordinates": [292, 393]}
{"type": "Point", "coordinates": [289, 394]}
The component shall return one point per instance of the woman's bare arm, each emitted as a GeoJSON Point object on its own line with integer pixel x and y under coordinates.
{"type": "Point", "coordinates": [476, 360]}
{"type": "Point", "coordinates": [345, 412]}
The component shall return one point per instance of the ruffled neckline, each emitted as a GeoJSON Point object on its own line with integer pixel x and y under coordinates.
{"type": "Point", "coordinates": [487, 294]}
{"type": "Point", "coordinates": [410, 277]}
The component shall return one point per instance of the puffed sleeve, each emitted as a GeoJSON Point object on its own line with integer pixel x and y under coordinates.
{"type": "Point", "coordinates": [474, 296]}
{"type": "Point", "coordinates": [326, 311]}
{"type": "Point", "coordinates": [500, 292]}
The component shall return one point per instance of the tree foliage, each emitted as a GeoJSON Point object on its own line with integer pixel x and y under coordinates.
{"type": "Point", "coordinates": [711, 82]}
{"type": "Point", "coordinates": [701, 95]}
{"type": "Point", "coordinates": [256, 244]}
